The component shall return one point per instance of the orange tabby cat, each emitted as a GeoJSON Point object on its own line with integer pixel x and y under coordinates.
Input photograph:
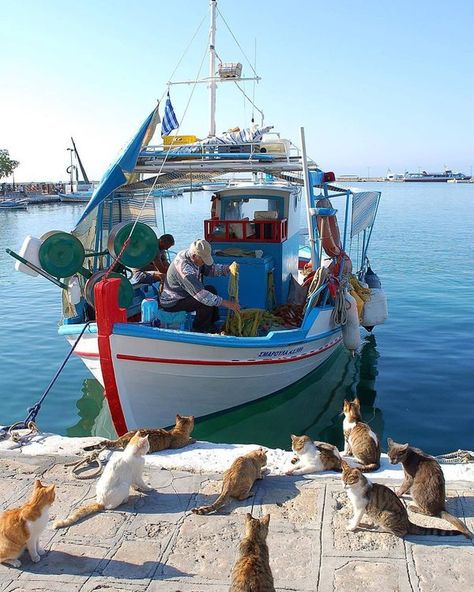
{"type": "Point", "coordinates": [22, 527]}
{"type": "Point", "coordinates": [238, 479]}
{"type": "Point", "coordinates": [360, 441]}
{"type": "Point", "coordinates": [158, 438]}
{"type": "Point", "coordinates": [252, 570]}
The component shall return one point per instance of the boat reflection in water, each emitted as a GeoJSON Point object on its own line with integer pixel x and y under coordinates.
{"type": "Point", "coordinates": [270, 421]}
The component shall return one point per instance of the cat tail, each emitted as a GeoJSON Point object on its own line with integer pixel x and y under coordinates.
{"type": "Point", "coordinates": [456, 523]}
{"type": "Point", "coordinates": [104, 444]}
{"type": "Point", "coordinates": [415, 529]}
{"type": "Point", "coordinates": [78, 514]}
{"type": "Point", "coordinates": [370, 467]}
{"type": "Point", "coordinates": [220, 501]}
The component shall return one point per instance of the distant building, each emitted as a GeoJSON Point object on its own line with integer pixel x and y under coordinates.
{"type": "Point", "coordinates": [348, 178]}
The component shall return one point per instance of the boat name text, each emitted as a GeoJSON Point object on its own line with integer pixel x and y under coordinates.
{"type": "Point", "coordinates": [280, 352]}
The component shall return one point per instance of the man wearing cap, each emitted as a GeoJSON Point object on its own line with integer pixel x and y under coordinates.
{"type": "Point", "coordinates": [183, 288]}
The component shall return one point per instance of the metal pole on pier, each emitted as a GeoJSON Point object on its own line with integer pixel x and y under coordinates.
{"type": "Point", "coordinates": [212, 70]}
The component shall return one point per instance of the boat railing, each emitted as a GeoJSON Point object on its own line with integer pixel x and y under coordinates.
{"type": "Point", "coordinates": [268, 231]}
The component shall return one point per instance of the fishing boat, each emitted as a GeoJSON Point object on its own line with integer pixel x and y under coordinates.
{"type": "Point", "coordinates": [13, 204]}
{"type": "Point", "coordinates": [151, 363]}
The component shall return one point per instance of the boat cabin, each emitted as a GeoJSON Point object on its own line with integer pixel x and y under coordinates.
{"type": "Point", "coordinates": [257, 226]}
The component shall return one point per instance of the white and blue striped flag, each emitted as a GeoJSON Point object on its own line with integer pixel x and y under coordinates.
{"type": "Point", "coordinates": [169, 121]}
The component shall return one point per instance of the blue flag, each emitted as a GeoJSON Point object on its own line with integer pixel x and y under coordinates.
{"type": "Point", "coordinates": [169, 118]}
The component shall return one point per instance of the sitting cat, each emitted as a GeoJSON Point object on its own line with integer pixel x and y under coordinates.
{"type": "Point", "coordinates": [238, 479]}
{"type": "Point", "coordinates": [424, 477]}
{"type": "Point", "coordinates": [312, 457]}
{"type": "Point", "coordinates": [382, 505]}
{"type": "Point", "coordinates": [252, 570]}
{"type": "Point", "coordinates": [360, 441]}
{"type": "Point", "coordinates": [113, 487]}
{"type": "Point", "coordinates": [22, 527]}
{"type": "Point", "coordinates": [159, 438]}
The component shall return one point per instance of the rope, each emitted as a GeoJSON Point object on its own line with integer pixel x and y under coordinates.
{"type": "Point", "coordinates": [339, 314]}
{"type": "Point", "coordinates": [459, 456]}
{"type": "Point", "coordinates": [90, 459]}
{"type": "Point", "coordinates": [16, 432]}
{"type": "Point", "coordinates": [34, 410]}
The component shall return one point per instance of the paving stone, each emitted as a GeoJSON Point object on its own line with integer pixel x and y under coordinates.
{"type": "Point", "coordinates": [363, 575]}
{"type": "Point", "coordinates": [210, 491]}
{"type": "Point", "coordinates": [206, 548]}
{"type": "Point", "coordinates": [39, 586]}
{"type": "Point", "coordinates": [180, 586]}
{"type": "Point", "coordinates": [134, 560]}
{"type": "Point", "coordinates": [338, 541]}
{"type": "Point", "coordinates": [65, 562]}
{"type": "Point", "coordinates": [286, 500]}
{"type": "Point", "coordinates": [108, 524]}
{"type": "Point", "coordinates": [440, 568]}
{"type": "Point", "coordinates": [294, 557]}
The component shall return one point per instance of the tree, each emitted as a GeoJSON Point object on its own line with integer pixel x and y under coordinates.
{"type": "Point", "coordinates": [7, 164]}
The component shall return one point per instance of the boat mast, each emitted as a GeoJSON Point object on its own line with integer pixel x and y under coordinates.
{"type": "Point", "coordinates": [212, 69]}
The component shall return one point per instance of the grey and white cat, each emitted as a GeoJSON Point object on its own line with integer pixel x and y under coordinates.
{"type": "Point", "coordinates": [381, 505]}
{"type": "Point", "coordinates": [425, 480]}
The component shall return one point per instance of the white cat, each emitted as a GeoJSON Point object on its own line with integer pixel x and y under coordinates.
{"type": "Point", "coordinates": [113, 487]}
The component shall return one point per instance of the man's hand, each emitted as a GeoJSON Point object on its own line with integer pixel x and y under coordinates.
{"type": "Point", "coordinates": [235, 306]}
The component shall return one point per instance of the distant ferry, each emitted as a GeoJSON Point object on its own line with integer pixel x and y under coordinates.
{"type": "Point", "coordinates": [446, 176]}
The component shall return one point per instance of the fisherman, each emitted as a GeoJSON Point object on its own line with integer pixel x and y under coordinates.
{"type": "Point", "coordinates": [156, 270]}
{"type": "Point", "coordinates": [184, 290]}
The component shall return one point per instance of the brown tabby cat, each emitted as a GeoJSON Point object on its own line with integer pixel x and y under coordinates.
{"type": "Point", "coordinates": [312, 457]}
{"type": "Point", "coordinates": [238, 479]}
{"type": "Point", "coordinates": [424, 477]}
{"type": "Point", "coordinates": [252, 570]}
{"type": "Point", "coordinates": [360, 441]}
{"type": "Point", "coordinates": [382, 505]}
{"type": "Point", "coordinates": [158, 438]}
{"type": "Point", "coordinates": [22, 527]}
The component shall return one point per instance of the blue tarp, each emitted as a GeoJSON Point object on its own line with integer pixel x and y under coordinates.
{"type": "Point", "coordinates": [115, 174]}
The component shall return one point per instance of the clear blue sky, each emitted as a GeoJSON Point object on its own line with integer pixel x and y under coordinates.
{"type": "Point", "coordinates": [375, 83]}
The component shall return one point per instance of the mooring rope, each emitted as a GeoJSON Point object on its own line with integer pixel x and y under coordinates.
{"type": "Point", "coordinates": [458, 456]}
{"type": "Point", "coordinates": [90, 459]}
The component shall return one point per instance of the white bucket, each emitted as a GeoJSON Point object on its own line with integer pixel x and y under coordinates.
{"type": "Point", "coordinates": [29, 251]}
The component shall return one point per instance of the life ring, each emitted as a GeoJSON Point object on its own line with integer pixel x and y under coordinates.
{"type": "Point", "coordinates": [328, 230]}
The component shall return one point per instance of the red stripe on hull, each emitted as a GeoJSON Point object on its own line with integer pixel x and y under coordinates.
{"type": "Point", "coordinates": [224, 362]}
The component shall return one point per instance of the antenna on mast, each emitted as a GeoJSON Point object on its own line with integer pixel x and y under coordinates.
{"type": "Point", "coordinates": [212, 69]}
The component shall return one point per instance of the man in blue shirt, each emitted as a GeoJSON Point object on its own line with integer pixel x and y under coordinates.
{"type": "Point", "coordinates": [184, 290]}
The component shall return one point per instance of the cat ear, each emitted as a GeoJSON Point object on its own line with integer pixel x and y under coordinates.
{"type": "Point", "coordinates": [178, 417]}
{"type": "Point", "coordinates": [38, 484]}
{"type": "Point", "coordinates": [404, 446]}
{"type": "Point", "coordinates": [265, 520]}
{"type": "Point", "coordinates": [248, 517]}
{"type": "Point", "coordinates": [345, 466]}
{"type": "Point", "coordinates": [293, 437]}
{"type": "Point", "coordinates": [390, 442]}
{"type": "Point", "coordinates": [356, 401]}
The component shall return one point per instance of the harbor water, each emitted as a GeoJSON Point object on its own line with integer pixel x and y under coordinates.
{"type": "Point", "coordinates": [414, 375]}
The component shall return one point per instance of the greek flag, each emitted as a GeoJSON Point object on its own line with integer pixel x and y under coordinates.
{"type": "Point", "coordinates": [169, 118]}
{"type": "Point", "coordinates": [364, 210]}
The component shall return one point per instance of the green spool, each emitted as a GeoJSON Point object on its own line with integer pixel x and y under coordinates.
{"type": "Point", "coordinates": [142, 248]}
{"type": "Point", "coordinates": [61, 254]}
{"type": "Point", "coordinates": [125, 290]}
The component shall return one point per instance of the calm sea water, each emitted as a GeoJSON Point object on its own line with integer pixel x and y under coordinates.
{"type": "Point", "coordinates": [414, 375]}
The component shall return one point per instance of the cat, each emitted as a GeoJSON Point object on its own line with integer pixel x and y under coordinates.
{"type": "Point", "coordinates": [238, 479]}
{"type": "Point", "coordinates": [424, 477]}
{"type": "Point", "coordinates": [113, 487]}
{"type": "Point", "coordinates": [159, 438]}
{"type": "Point", "coordinates": [360, 441]}
{"type": "Point", "coordinates": [22, 527]}
{"type": "Point", "coordinates": [382, 505]}
{"type": "Point", "coordinates": [312, 457]}
{"type": "Point", "coordinates": [252, 570]}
